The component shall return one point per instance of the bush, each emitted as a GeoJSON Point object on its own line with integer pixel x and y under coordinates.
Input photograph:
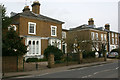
{"type": "Point", "coordinates": [59, 61]}
{"type": "Point", "coordinates": [90, 54]}
{"type": "Point", "coordinates": [53, 50]}
{"type": "Point", "coordinates": [32, 60]}
{"type": "Point", "coordinates": [35, 60]}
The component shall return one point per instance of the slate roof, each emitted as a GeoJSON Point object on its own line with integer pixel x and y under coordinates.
{"type": "Point", "coordinates": [30, 14]}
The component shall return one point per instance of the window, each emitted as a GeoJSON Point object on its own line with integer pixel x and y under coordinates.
{"type": "Point", "coordinates": [105, 37]}
{"type": "Point", "coordinates": [12, 26]}
{"type": "Point", "coordinates": [96, 36]}
{"type": "Point", "coordinates": [112, 34]}
{"type": "Point", "coordinates": [63, 34]}
{"type": "Point", "coordinates": [116, 35]}
{"type": "Point", "coordinates": [37, 47]}
{"type": "Point", "coordinates": [53, 31]}
{"type": "Point", "coordinates": [33, 47]}
{"type": "Point", "coordinates": [101, 37]}
{"type": "Point", "coordinates": [29, 43]}
{"type": "Point", "coordinates": [31, 28]}
{"type": "Point", "coordinates": [116, 41]}
{"type": "Point", "coordinates": [112, 40]}
{"type": "Point", "coordinates": [92, 35]}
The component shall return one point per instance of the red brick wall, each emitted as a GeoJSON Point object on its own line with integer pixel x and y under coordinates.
{"type": "Point", "coordinates": [9, 63]}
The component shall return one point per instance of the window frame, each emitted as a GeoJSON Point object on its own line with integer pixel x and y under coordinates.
{"type": "Point", "coordinates": [55, 30]}
{"type": "Point", "coordinates": [34, 28]}
{"type": "Point", "coordinates": [92, 35]}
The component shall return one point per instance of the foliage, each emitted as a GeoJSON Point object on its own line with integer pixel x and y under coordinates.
{"type": "Point", "coordinates": [35, 60]}
{"type": "Point", "coordinates": [90, 54]}
{"type": "Point", "coordinates": [53, 50]}
{"type": "Point", "coordinates": [12, 44]}
{"type": "Point", "coordinates": [6, 20]}
{"type": "Point", "coordinates": [32, 60]}
{"type": "Point", "coordinates": [59, 61]}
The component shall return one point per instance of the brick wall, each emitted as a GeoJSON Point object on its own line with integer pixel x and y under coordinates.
{"type": "Point", "coordinates": [9, 63]}
{"type": "Point", "coordinates": [12, 63]}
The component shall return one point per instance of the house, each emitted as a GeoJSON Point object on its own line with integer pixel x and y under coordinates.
{"type": "Point", "coordinates": [90, 33]}
{"type": "Point", "coordinates": [97, 35]}
{"type": "Point", "coordinates": [113, 38]}
{"type": "Point", "coordinates": [38, 30]}
{"type": "Point", "coordinates": [64, 44]}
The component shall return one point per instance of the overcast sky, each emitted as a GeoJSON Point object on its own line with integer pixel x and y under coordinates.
{"type": "Point", "coordinates": [73, 12]}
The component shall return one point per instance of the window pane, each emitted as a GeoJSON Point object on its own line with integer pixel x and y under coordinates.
{"type": "Point", "coordinates": [31, 28]}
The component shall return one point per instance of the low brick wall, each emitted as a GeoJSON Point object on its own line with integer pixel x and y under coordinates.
{"type": "Point", "coordinates": [9, 63]}
{"type": "Point", "coordinates": [32, 66]}
{"type": "Point", "coordinates": [12, 63]}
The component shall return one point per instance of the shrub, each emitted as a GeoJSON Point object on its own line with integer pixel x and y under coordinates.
{"type": "Point", "coordinates": [90, 54]}
{"type": "Point", "coordinates": [53, 50]}
{"type": "Point", "coordinates": [32, 60]}
{"type": "Point", "coordinates": [35, 60]}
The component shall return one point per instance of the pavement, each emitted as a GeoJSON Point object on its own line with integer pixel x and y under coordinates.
{"type": "Point", "coordinates": [28, 74]}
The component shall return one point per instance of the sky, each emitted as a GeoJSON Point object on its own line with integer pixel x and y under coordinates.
{"type": "Point", "coordinates": [73, 12]}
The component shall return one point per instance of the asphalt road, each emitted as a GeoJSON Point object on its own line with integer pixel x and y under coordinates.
{"type": "Point", "coordinates": [99, 71]}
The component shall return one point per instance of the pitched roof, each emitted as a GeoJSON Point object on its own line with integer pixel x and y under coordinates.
{"type": "Point", "coordinates": [30, 14]}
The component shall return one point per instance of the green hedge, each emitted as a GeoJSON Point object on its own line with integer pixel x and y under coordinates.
{"type": "Point", "coordinates": [53, 50]}
{"type": "Point", "coordinates": [90, 54]}
{"type": "Point", "coordinates": [35, 60]}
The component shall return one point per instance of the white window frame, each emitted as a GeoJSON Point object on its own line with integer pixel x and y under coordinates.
{"type": "Point", "coordinates": [96, 36]}
{"type": "Point", "coordinates": [116, 41]}
{"type": "Point", "coordinates": [55, 30]}
{"type": "Point", "coordinates": [116, 35]}
{"type": "Point", "coordinates": [34, 28]}
{"type": "Point", "coordinates": [112, 34]}
{"type": "Point", "coordinates": [63, 34]}
{"type": "Point", "coordinates": [101, 37]}
{"type": "Point", "coordinates": [92, 35]}
{"type": "Point", "coordinates": [14, 27]}
{"type": "Point", "coordinates": [105, 37]}
{"type": "Point", "coordinates": [113, 41]}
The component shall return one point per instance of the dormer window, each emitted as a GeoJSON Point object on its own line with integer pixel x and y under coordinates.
{"type": "Point", "coordinates": [31, 28]}
{"type": "Point", "coordinates": [53, 30]}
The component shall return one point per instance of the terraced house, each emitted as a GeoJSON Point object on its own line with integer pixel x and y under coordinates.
{"type": "Point", "coordinates": [97, 35]}
{"type": "Point", "coordinates": [37, 30]}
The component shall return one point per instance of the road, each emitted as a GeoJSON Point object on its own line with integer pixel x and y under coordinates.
{"type": "Point", "coordinates": [99, 71]}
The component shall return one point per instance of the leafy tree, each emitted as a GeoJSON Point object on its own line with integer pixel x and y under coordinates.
{"type": "Point", "coordinates": [12, 44]}
{"type": "Point", "coordinates": [53, 50]}
{"type": "Point", "coordinates": [6, 20]}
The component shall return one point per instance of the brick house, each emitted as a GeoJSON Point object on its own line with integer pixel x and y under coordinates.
{"type": "Point", "coordinates": [38, 30]}
{"type": "Point", "coordinates": [97, 35]}
{"type": "Point", "coordinates": [64, 44]}
{"type": "Point", "coordinates": [113, 38]}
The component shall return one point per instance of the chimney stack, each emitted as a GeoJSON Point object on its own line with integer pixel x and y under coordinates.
{"type": "Point", "coordinates": [26, 8]}
{"type": "Point", "coordinates": [107, 26]}
{"type": "Point", "coordinates": [36, 7]}
{"type": "Point", "coordinates": [91, 21]}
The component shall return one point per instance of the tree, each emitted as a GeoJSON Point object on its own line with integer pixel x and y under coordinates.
{"type": "Point", "coordinates": [6, 20]}
{"type": "Point", "coordinates": [77, 43]}
{"type": "Point", "coordinates": [53, 50]}
{"type": "Point", "coordinates": [11, 42]}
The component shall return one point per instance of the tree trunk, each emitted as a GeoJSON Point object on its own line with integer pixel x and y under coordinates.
{"type": "Point", "coordinates": [105, 57]}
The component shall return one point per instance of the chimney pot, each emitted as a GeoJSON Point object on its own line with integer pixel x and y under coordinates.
{"type": "Point", "coordinates": [107, 26]}
{"type": "Point", "coordinates": [36, 7]}
{"type": "Point", "coordinates": [26, 8]}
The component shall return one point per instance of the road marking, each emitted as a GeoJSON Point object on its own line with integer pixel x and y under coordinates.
{"type": "Point", "coordinates": [117, 67]}
{"type": "Point", "coordinates": [99, 72]}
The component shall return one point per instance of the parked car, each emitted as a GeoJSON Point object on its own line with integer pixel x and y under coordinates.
{"type": "Point", "coordinates": [113, 55]}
